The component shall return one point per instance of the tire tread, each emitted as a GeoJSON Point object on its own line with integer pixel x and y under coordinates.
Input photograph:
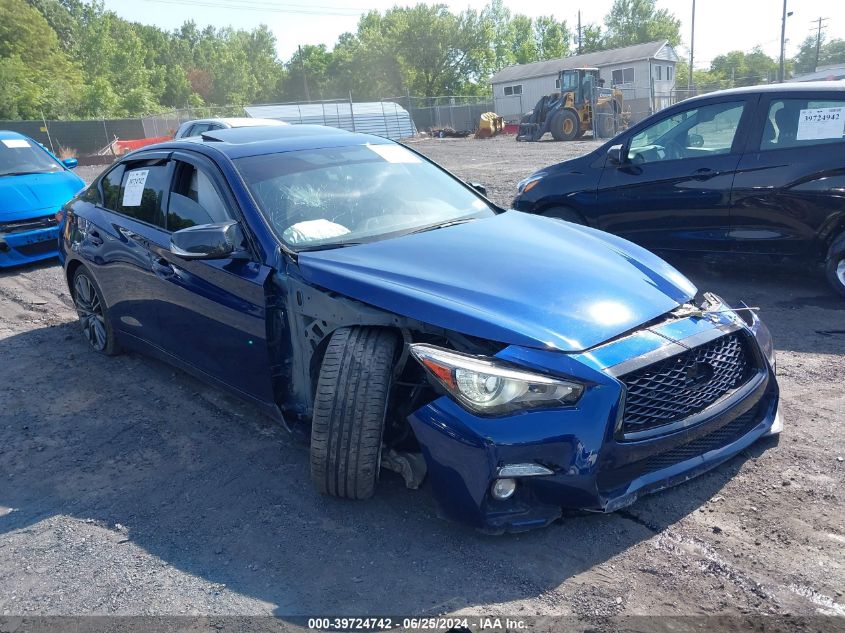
{"type": "Point", "coordinates": [349, 410]}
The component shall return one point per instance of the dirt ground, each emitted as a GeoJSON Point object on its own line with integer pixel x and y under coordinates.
{"type": "Point", "coordinates": [127, 487]}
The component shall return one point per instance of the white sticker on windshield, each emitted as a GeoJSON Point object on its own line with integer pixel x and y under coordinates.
{"type": "Point", "coordinates": [134, 189]}
{"type": "Point", "coordinates": [395, 154]}
{"type": "Point", "coordinates": [13, 143]}
{"type": "Point", "coordinates": [820, 123]}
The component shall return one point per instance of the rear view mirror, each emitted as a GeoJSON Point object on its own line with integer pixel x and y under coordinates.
{"type": "Point", "coordinates": [614, 155]}
{"type": "Point", "coordinates": [479, 188]}
{"type": "Point", "coordinates": [70, 163]}
{"type": "Point", "coordinates": [208, 241]}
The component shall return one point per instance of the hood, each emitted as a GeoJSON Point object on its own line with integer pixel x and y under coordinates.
{"type": "Point", "coordinates": [20, 195]}
{"type": "Point", "coordinates": [515, 278]}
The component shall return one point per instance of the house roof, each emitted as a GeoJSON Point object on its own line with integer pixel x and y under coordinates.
{"type": "Point", "coordinates": [597, 59]}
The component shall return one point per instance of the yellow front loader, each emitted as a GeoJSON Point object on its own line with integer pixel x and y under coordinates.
{"type": "Point", "coordinates": [568, 114]}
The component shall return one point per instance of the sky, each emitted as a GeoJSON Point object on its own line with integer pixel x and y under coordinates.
{"type": "Point", "coordinates": [720, 25]}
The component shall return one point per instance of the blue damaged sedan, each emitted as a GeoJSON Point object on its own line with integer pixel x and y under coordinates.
{"type": "Point", "coordinates": [518, 365]}
{"type": "Point", "coordinates": [34, 185]}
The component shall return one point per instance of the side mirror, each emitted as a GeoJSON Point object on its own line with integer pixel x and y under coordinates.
{"type": "Point", "coordinates": [208, 241]}
{"type": "Point", "coordinates": [70, 163]}
{"type": "Point", "coordinates": [479, 188]}
{"type": "Point", "coordinates": [614, 155]}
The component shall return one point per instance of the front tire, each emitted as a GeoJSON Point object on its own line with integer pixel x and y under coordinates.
{"type": "Point", "coordinates": [350, 407]}
{"type": "Point", "coordinates": [835, 265]}
{"type": "Point", "coordinates": [565, 126]}
{"type": "Point", "coordinates": [93, 313]}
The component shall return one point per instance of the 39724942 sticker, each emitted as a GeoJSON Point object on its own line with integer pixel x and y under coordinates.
{"type": "Point", "coordinates": [133, 191]}
{"type": "Point", "coordinates": [820, 123]}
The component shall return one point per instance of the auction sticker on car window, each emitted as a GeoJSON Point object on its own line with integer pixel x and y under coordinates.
{"type": "Point", "coordinates": [820, 123]}
{"type": "Point", "coordinates": [395, 153]}
{"type": "Point", "coordinates": [134, 189]}
{"type": "Point", "coordinates": [13, 143]}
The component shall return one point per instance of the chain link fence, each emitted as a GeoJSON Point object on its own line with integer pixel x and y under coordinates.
{"type": "Point", "coordinates": [108, 138]}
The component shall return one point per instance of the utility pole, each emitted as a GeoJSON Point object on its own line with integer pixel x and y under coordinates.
{"type": "Point", "coordinates": [579, 32]}
{"type": "Point", "coordinates": [782, 42]}
{"type": "Point", "coordinates": [691, 51]}
{"type": "Point", "coordinates": [305, 77]}
{"type": "Point", "coordinates": [819, 40]}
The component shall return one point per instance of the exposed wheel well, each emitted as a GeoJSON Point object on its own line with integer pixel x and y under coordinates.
{"type": "Point", "coordinates": [320, 351]}
{"type": "Point", "coordinates": [835, 236]}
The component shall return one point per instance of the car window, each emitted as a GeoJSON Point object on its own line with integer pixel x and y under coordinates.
{"type": "Point", "coordinates": [111, 187]}
{"type": "Point", "coordinates": [199, 128]}
{"type": "Point", "coordinates": [194, 200]}
{"type": "Point", "coordinates": [322, 197]}
{"type": "Point", "coordinates": [142, 191]}
{"type": "Point", "coordinates": [803, 123]}
{"type": "Point", "coordinates": [704, 131]}
{"type": "Point", "coordinates": [22, 156]}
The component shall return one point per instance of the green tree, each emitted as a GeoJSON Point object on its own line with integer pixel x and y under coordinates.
{"type": "Point", "coordinates": [592, 39]}
{"type": "Point", "coordinates": [738, 68]}
{"type": "Point", "coordinates": [523, 44]}
{"type": "Point", "coordinates": [552, 37]}
{"type": "Point", "coordinates": [38, 77]}
{"type": "Point", "coordinates": [637, 21]}
{"type": "Point", "coordinates": [832, 52]}
{"type": "Point", "coordinates": [313, 66]}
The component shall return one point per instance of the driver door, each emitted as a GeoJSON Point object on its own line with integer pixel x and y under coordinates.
{"type": "Point", "coordinates": [212, 313]}
{"type": "Point", "coordinates": [672, 190]}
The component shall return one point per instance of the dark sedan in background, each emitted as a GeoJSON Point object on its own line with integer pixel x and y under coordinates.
{"type": "Point", "coordinates": [758, 170]}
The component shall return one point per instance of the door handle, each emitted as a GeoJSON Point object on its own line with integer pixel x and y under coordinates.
{"type": "Point", "coordinates": [704, 173]}
{"type": "Point", "coordinates": [94, 238]}
{"type": "Point", "coordinates": [162, 267]}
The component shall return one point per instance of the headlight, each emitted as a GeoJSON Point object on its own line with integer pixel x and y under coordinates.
{"type": "Point", "coordinates": [490, 387]}
{"type": "Point", "coordinates": [529, 183]}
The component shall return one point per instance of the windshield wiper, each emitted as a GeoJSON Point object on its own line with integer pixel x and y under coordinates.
{"type": "Point", "coordinates": [326, 247]}
{"type": "Point", "coordinates": [441, 225]}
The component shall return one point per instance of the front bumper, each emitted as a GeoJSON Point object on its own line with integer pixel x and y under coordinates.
{"type": "Point", "coordinates": [24, 247]}
{"type": "Point", "coordinates": [592, 467]}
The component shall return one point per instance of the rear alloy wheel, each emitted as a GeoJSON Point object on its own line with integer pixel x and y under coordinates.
{"type": "Point", "coordinates": [93, 314]}
{"type": "Point", "coordinates": [350, 407]}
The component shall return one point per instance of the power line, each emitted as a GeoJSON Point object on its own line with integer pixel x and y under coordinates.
{"type": "Point", "coordinates": [256, 5]}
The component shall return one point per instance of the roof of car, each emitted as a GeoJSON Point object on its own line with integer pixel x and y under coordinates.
{"type": "Point", "coordinates": [8, 134]}
{"type": "Point", "coordinates": [805, 86]}
{"type": "Point", "coordinates": [243, 121]}
{"type": "Point", "coordinates": [254, 141]}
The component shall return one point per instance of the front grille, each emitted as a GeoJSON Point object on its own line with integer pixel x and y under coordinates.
{"type": "Point", "coordinates": [33, 224]}
{"type": "Point", "coordinates": [718, 438]}
{"type": "Point", "coordinates": [37, 248]}
{"type": "Point", "coordinates": [723, 436]}
{"type": "Point", "coordinates": [680, 386]}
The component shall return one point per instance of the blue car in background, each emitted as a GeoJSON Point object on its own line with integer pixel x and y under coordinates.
{"type": "Point", "coordinates": [346, 284]}
{"type": "Point", "coordinates": [34, 185]}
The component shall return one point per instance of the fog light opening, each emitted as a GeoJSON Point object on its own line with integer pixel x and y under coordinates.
{"type": "Point", "coordinates": [503, 488]}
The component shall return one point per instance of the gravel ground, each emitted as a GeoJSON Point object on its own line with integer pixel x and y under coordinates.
{"type": "Point", "coordinates": [127, 487]}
